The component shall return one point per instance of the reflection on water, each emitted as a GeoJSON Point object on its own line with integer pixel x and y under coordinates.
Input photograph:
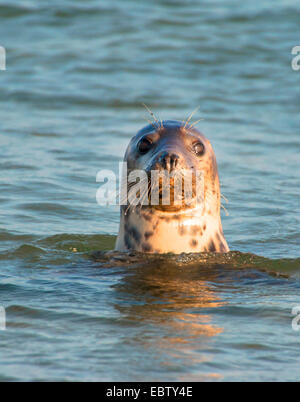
{"type": "Point", "coordinates": [130, 316]}
{"type": "Point", "coordinates": [177, 306]}
{"type": "Point", "coordinates": [172, 302]}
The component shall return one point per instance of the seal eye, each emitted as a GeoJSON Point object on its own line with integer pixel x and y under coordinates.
{"type": "Point", "coordinates": [198, 148]}
{"type": "Point", "coordinates": [144, 145]}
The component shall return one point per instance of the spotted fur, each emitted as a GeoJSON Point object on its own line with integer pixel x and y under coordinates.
{"type": "Point", "coordinates": [154, 230]}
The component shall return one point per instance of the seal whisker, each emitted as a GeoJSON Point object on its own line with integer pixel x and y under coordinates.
{"type": "Point", "coordinates": [126, 199]}
{"type": "Point", "coordinates": [151, 113]}
{"type": "Point", "coordinates": [150, 122]}
{"type": "Point", "coordinates": [224, 198]}
{"type": "Point", "coordinates": [226, 212]}
{"type": "Point", "coordinates": [144, 180]}
{"type": "Point", "coordinates": [129, 206]}
{"type": "Point", "coordinates": [143, 197]}
{"type": "Point", "coordinates": [151, 190]}
{"type": "Point", "coordinates": [196, 122]}
{"type": "Point", "coordinates": [190, 116]}
{"type": "Point", "coordinates": [123, 201]}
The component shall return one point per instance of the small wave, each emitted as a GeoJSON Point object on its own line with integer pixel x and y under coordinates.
{"type": "Point", "coordinates": [232, 260]}
{"type": "Point", "coordinates": [78, 242]}
{"type": "Point", "coordinates": [12, 11]}
{"type": "Point", "coordinates": [61, 248]}
{"type": "Point", "coordinates": [23, 252]}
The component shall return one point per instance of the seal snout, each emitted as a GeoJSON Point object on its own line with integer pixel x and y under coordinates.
{"type": "Point", "coordinates": [168, 160]}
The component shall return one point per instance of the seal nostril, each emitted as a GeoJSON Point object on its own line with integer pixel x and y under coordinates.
{"type": "Point", "coordinates": [164, 159]}
{"type": "Point", "coordinates": [168, 161]}
{"type": "Point", "coordinates": [174, 161]}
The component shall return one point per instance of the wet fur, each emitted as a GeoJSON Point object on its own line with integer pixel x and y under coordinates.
{"type": "Point", "coordinates": [149, 230]}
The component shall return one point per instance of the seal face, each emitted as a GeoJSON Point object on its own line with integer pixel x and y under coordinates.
{"type": "Point", "coordinates": [173, 147]}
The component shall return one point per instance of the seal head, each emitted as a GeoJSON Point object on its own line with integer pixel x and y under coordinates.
{"type": "Point", "coordinates": [172, 147]}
